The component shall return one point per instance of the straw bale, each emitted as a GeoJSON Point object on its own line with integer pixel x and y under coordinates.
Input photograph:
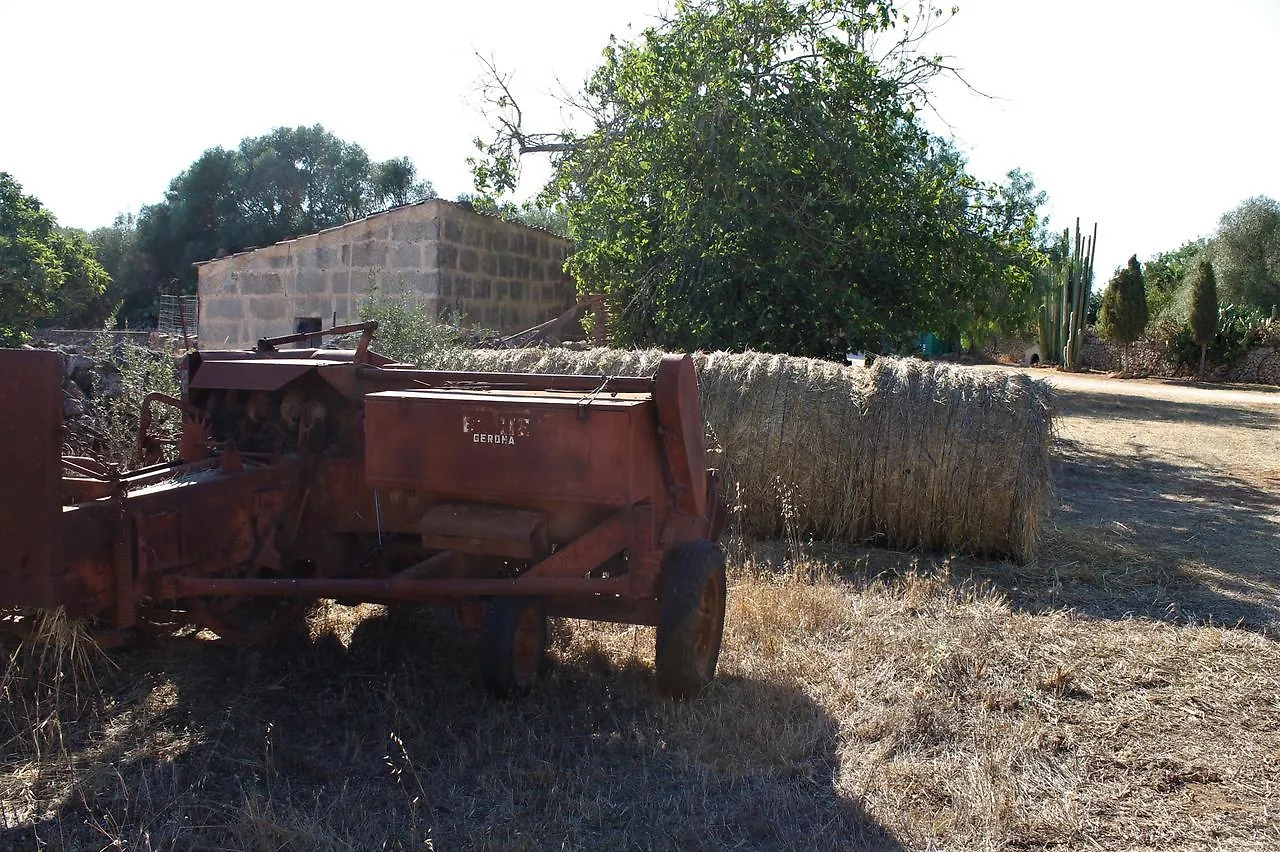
{"type": "Point", "coordinates": [908, 453]}
{"type": "Point", "coordinates": [959, 458]}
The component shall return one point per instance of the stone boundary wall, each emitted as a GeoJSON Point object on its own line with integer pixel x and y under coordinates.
{"type": "Point", "coordinates": [495, 273]}
{"type": "Point", "coordinates": [1260, 366]}
{"type": "Point", "coordinates": [80, 340]}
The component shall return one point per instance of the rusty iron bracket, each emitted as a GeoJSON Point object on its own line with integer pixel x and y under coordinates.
{"type": "Point", "coordinates": [586, 401]}
{"type": "Point", "coordinates": [122, 557]}
{"type": "Point", "coordinates": [589, 550]}
{"type": "Point", "coordinates": [148, 451]}
{"type": "Point", "coordinates": [680, 426]}
{"type": "Point", "coordinates": [366, 329]}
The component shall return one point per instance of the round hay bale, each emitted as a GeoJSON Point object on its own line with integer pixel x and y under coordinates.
{"type": "Point", "coordinates": [908, 453]}
{"type": "Point", "coordinates": [960, 458]}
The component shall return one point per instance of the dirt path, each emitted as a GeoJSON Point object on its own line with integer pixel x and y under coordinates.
{"type": "Point", "coordinates": [1173, 390]}
{"type": "Point", "coordinates": [1168, 502]}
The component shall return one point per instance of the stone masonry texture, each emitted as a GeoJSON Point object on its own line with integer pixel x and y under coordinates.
{"type": "Point", "coordinates": [480, 269]}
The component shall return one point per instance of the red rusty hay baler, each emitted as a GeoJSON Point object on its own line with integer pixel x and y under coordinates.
{"type": "Point", "coordinates": [313, 473]}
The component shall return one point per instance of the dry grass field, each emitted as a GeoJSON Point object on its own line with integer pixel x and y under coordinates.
{"type": "Point", "coordinates": [1122, 692]}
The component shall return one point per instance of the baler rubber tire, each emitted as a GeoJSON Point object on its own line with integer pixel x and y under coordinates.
{"type": "Point", "coordinates": [690, 618]}
{"type": "Point", "coordinates": [513, 645]}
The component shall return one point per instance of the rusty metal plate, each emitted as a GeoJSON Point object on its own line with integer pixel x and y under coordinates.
{"type": "Point", "coordinates": [253, 374]}
{"type": "Point", "coordinates": [486, 530]}
{"type": "Point", "coordinates": [680, 415]}
{"type": "Point", "coordinates": [514, 448]}
{"type": "Point", "coordinates": [30, 477]}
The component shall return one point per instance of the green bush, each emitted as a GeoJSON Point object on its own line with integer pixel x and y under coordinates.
{"type": "Point", "coordinates": [1239, 330]}
{"type": "Point", "coordinates": [408, 331]}
{"type": "Point", "coordinates": [1122, 316]}
{"type": "Point", "coordinates": [117, 409]}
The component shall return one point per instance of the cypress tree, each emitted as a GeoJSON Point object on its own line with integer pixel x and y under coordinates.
{"type": "Point", "coordinates": [1123, 317]}
{"type": "Point", "coordinates": [1204, 308]}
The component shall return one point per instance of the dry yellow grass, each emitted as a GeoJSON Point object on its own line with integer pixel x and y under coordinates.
{"type": "Point", "coordinates": [866, 700]}
{"type": "Point", "coordinates": [912, 712]}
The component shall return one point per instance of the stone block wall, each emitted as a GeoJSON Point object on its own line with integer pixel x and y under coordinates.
{"type": "Point", "coordinates": [501, 275]}
{"type": "Point", "coordinates": [494, 273]}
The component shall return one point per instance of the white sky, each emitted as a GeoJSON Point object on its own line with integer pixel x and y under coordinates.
{"type": "Point", "coordinates": [1152, 117]}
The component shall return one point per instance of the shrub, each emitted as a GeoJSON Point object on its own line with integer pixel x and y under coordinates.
{"type": "Point", "coordinates": [1123, 313]}
{"type": "Point", "coordinates": [1204, 308]}
{"type": "Point", "coordinates": [125, 373]}
{"type": "Point", "coordinates": [408, 331]}
{"type": "Point", "coordinates": [1239, 330]}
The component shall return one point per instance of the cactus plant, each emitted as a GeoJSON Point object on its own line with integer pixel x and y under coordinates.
{"type": "Point", "coordinates": [1062, 316]}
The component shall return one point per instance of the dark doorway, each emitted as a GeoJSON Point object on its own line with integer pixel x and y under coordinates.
{"type": "Point", "coordinates": [306, 325]}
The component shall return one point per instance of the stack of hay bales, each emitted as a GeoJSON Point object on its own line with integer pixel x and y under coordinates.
{"type": "Point", "coordinates": [908, 453]}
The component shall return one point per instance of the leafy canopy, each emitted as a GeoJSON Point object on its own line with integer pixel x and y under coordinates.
{"type": "Point", "coordinates": [1165, 277]}
{"type": "Point", "coordinates": [45, 273]}
{"type": "Point", "coordinates": [755, 177]}
{"type": "Point", "coordinates": [1246, 254]}
{"type": "Point", "coordinates": [290, 182]}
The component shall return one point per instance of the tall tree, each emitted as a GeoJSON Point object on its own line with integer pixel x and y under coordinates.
{"type": "Point", "coordinates": [1123, 317]}
{"type": "Point", "coordinates": [289, 182]}
{"type": "Point", "coordinates": [129, 295]}
{"type": "Point", "coordinates": [1246, 254]}
{"type": "Point", "coordinates": [395, 182]}
{"type": "Point", "coordinates": [755, 176]}
{"type": "Point", "coordinates": [1167, 273]}
{"type": "Point", "coordinates": [44, 273]}
{"type": "Point", "coordinates": [1204, 308]}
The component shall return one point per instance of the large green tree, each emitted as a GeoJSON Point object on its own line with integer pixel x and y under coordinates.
{"type": "Point", "coordinates": [1246, 254]}
{"type": "Point", "coordinates": [1166, 274]}
{"type": "Point", "coordinates": [131, 294]}
{"type": "Point", "coordinates": [290, 182]}
{"type": "Point", "coordinates": [754, 176]}
{"type": "Point", "coordinates": [45, 273]}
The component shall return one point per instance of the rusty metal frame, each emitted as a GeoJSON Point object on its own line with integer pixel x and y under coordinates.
{"type": "Point", "coordinates": [166, 536]}
{"type": "Point", "coordinates": [398, 377]}
{"type": "Point", "coordinates": [412, 590]}
{"type": "Point", "coordinates": [601, 542]}
{"type": "Point", "coordinates": [561, 573]}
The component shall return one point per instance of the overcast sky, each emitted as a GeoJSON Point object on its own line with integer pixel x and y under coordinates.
{"type": "Point", "coordinates": [1151, 117]}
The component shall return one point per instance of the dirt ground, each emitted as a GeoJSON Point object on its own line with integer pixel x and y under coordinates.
{"type": "Point", "coordinates": [1120, 692]}
{"type": "Point", "coordinates": [1168, 501]}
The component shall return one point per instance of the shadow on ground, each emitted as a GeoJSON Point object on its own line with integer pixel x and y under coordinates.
{"type": "Point", "coordinates": [1112, 406]}
{"type": "Point", "coordinates": [1149, 537]}
{"type": "Point", "coordinates": [389, 742]}
{"type": "Point", "coordinates": [1128, 536]}
{"type": "Point", "coordinates": [1217, 386]}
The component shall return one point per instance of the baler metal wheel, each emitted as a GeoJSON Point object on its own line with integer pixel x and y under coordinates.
{"type": "Point", "coordinates": [514, 645]}
{"type": "Point", "coordinates": [245, 620]}
{"type": "Point", "coordinates": [690, 618]}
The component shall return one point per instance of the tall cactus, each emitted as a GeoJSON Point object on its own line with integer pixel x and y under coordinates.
{"type": "Point", "coordinates": [1062, 316]}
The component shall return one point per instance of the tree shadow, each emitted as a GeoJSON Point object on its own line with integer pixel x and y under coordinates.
{"type": "Point", "coordinates": [1217, 386]}
{"type": "Point", "coordinates": [387, 740]}
{"type": "Point", "coordinates": [1149, 538]}
{"type": "Point", "coordinates": [1110, 406]}
{"type": "Point", "coordinates": [1128, 537]}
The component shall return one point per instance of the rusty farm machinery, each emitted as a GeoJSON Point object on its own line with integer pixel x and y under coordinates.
{"type": "Point", "coordinates": [303, 474]}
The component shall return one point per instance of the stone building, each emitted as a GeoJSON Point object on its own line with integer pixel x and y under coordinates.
{"type": "Point", "coordinates": [493, 273]}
